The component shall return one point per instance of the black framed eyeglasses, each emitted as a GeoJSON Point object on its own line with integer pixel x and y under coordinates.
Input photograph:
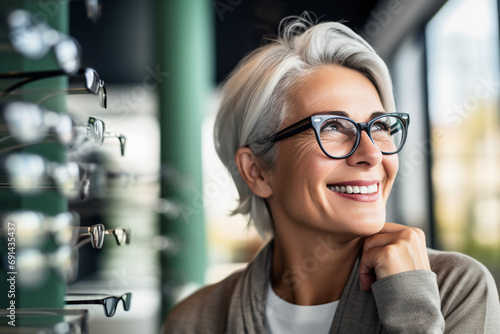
{"type": "Point", "coordinates": [339, 137]}
{"type": "Point", "coordinates": [93, 83]}
{"type": "Point", "coordinates": [109, 303]}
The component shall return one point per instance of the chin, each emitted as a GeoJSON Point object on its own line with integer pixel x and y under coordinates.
{"type": "Point", "coordinates": [367, 224]}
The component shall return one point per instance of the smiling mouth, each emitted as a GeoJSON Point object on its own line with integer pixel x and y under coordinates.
{"type": "Point", "coordinates": [371, 189]}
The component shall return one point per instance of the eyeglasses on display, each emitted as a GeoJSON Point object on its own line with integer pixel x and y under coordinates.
{"type": "Point", "coordinates": [33, 266]}
{"type": "Point", "coordinates": [34, 228]}
{"type": "Point", "coordinates": [339, 136]}
{"type": "Point", "coordinates": [121, 234]}
{"type": "Point", "coordinates": [31, 174]}
{"type": "Point", "coordinates": [93, 84]}
{"type": "Point", "coordinates": [30, 123]}
{"type": "Point", "coordinates": [96, 130]}
{"type": "Point", "coordinates": [95, 234]}
{"type": "Point", "coordinates": [34, 38]}
{"type": "Point", "coordinates": [109, 303]}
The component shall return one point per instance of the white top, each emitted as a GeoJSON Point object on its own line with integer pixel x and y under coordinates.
{"type": "Point", "coordinates": [284, 317]}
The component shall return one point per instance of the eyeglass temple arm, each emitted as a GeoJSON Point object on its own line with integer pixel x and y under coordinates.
{"type": "Point", "coordinates": [85, 301]}
{"type": "Point", "coordinates": [69, 91]}
{"type": "Point", "coordinates": [83, 294]}
{"type": "Point", "coordinates": [30, 77]}
{"type": "Point", "coordinates": [84, 241]}
{"type": "Point", "coordinates": [89, 294]}
{"type": "Point", "coordinates": [107, 312]}
{"type": "Point", "coordinates": [17, 146]}
{"type": "Point", "coordinates": [293, 129]}
{"type": "Point", "coordinates": [121, 138]}
{"type": "Point", "coordinates": [396, 127]}
{"type": "Point", "coordinates": [5, 138]}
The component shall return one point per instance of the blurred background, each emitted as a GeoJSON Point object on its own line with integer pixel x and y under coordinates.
{"type": "Point", "coordinates": [161, 62]}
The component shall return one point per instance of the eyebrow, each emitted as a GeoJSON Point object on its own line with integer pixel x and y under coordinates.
{"type": "Point", "coordinates": [346, 114]}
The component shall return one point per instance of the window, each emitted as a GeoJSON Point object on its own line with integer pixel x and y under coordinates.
{"type": "Point", "coordinates": [462, 45]}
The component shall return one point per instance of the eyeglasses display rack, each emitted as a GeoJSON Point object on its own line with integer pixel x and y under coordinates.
{"type": "Point", "coordinates": [43, 170]}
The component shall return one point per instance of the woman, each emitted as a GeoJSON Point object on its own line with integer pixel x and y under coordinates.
{"type": "Point", "coordinates": [311, 124]}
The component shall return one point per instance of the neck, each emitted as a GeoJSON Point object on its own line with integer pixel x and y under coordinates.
{"type": "Point", "coordinates": [312, 270]}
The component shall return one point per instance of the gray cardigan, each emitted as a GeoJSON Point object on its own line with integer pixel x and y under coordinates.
{"type": "Point", "coordinates": [458, 296]}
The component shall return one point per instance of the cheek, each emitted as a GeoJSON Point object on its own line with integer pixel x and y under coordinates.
{"type": "Point", "coordinates": [297, 159]}
{"type": "Point", "coordinates": [391, 166]}
{"type": "Point", "coordinates": [296, 156]}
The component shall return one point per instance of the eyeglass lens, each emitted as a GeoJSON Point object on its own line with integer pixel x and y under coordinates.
{"type": "Point", "coordinates": [33, 265]}
{"type": "Point", "coordinates": [34, 39]}
{"type": "Point", "coordinates": [126, 300]}
{"type": "Point", "coordinates": [95, 130]}
{"type": "Point", "coordinates": [28, 123]}
{"type": "Point", "coordinates": [97, 235]}
{"type": "Point", "coordinates": [339, 136]}
{"type": "Point", "coordinates": [96, 86]}
{"type": "Point", "coordinates": [110, 305]}
{"type": "Point", "coordinates": [120, 236]}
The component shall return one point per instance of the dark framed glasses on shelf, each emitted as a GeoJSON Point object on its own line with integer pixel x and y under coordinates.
{"type": "Point", "coordinates": [33, 228]}
{"type": "Point", "coordinates": [92, 84]}
{"type": "Point", "coordinates": [338, 136]}
{"type": "Point", "coordinates": [109, 303]}
{"type": "Point", "coordinates": [33, 38]}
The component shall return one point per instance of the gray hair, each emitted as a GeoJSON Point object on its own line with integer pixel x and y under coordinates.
{"type": "Point", "coordinates": [254, 97]}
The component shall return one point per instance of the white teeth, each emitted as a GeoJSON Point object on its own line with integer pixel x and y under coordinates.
{"type": "Point", "coordinates": [371, 189]}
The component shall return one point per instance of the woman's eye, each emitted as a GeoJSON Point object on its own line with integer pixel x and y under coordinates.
{"type": "Point", "coordinates": [380, 126]}
{"type": "Point", "coordinates": [331, 127]}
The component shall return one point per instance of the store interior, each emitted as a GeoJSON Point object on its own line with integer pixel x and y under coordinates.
{"type": "Point", "coordinates": [113, 203]}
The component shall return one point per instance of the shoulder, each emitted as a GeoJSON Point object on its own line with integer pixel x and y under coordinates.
{"type": "Point", "coordinates": [207, 308]}
{"type": "Point", "coordinates": [454, 266]}
{"type": "Point", "coordinates": [464, 284]}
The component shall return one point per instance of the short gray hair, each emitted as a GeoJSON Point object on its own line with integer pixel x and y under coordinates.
{"type": "Point", "coordinates": [254, 96]}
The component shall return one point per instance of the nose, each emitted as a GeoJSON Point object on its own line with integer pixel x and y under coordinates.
{"type": "Point", "coordinates": [367, 154]}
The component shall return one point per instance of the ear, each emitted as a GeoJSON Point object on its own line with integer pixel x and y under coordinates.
{"type": "Point", "coordinates": [252, 172]}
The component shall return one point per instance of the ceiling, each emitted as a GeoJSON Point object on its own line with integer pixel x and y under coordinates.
{"type": "Point", "coordinates": [242, 27]}
{"type": "Point", "coordinates": [121, 44]}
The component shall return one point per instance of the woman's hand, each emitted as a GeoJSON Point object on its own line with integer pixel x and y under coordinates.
{"type": "Point", "coordinates": [395, 249]}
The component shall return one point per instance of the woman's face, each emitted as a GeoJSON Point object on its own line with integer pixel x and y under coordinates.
{"type": "Point", "coordinates": [304, 179]}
